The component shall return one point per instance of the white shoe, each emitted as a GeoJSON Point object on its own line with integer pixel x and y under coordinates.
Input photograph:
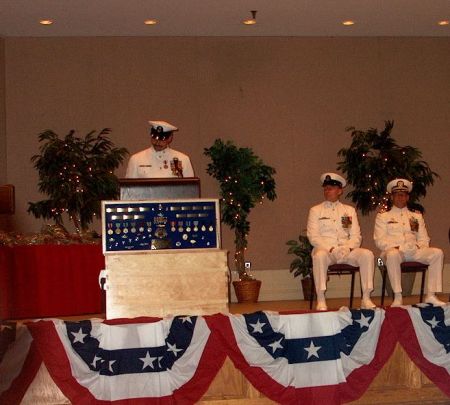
{"type": "Point", "coordinates": [432, 299]}
{"type": "Point", "coordinates": [366, 303]}
{"type": "Point", "coordinates": [321, 306]}
{"type": "Point", "coordinates": [398, 301]}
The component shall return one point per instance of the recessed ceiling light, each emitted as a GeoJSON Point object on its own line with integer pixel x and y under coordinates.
{"type": "Point", "coordinates": [46, 22]}
{"type": "Point", "coordinates": [348, 22]}
{"type": "Point", "coordinates": [150, 22]}
{"type": "Point", "coordinates": [444, 22]}
{"type": "Point", "coordinates": [251, 21]}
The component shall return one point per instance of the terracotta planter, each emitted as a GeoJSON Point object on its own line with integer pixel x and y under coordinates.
{"type": "Point", "coordinates": [247, 290]}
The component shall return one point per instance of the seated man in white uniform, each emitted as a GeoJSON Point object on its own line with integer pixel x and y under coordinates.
{"type": "Point", "coordinates": [160, 160]}
{"type": "Point", "coordinates": [334, 232]}
{"type": "Point", "coordinates": [401, 235]}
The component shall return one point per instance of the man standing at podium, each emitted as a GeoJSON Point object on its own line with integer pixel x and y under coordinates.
{"type": "Point", "coordinates": [160, 160]}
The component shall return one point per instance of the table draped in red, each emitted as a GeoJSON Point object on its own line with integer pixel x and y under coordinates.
{"type": "Point", "coordinates": [50, 280]}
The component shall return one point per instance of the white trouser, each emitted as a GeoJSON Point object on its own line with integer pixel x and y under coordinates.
{"type": "Point", "coordinates": [362, 258]}
{"type": "Point", "coordinates": [434, 257]}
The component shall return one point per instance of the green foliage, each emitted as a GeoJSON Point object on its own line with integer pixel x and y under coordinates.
{"type": "Point", "coordinates": [373, 159]}
{"type": "Point", "coordinates": [302, 264]}
{"type": "Point", "coordinates": [244, 181]}
{"type": "Point", "coordinates": [76, 174]}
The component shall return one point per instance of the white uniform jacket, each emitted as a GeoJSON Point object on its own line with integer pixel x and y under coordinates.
{"type": "Point", "coordinates": [333, 224]}
{"type": "Point", "coordinates": [150, 164]}
{"type": "Point", "coordinates": [400, 227]}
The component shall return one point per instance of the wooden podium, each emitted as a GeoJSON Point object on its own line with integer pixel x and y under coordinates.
{"type": "Point", "coordinates": [161, 188]}
{"type": "Point", "coordinates": [164, 282]}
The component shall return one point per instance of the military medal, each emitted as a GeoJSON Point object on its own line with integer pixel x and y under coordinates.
{"type": "Point", "coordinates": [180, 226]}
{"type": "Point", "coordinates": [118, 231]}
{"type": "Point", "coordinates": [133, 227]}
{"type": "Point", "coordinates": [346, 221]}
{"type": "Point", "coordinates": [195, 226]}
{"type": "Point", "coordinates": [172, 226]}
{"type": "Point", "coordinates": [188, 226]}
{"type": "Point", "coordinates": [110, 231]}
{"type": "Point", "coordinates": [414, 224]}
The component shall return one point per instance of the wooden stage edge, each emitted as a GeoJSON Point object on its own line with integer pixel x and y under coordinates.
{"type": "Point", "coordinates": [399, 382]}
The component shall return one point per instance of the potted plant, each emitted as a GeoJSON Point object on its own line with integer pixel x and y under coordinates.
{"type": "Point", "coordinates": [301, 265]}
{"type": "Point", "coordinates": [76, 174]}
{"type": "Point", "coordinates": [244, 181]}
{"type": "Point", "coordinates": [373, 159]}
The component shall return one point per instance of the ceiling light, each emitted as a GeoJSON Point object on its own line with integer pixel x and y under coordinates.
{"type": "Point", "coordinates": [46, 22]}
{"type": "Point", "coordinates": [150, 22]}
{"type": "Point", "coordinates": [251, 21]}
{"type": "Point", "coordinates": [444, 22]}
{"type": "Point", "coordinates": [348, 22]}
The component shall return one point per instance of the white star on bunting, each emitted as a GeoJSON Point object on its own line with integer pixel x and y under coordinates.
{"type": "Point", "coordinates": [433, 322]}
{"type": "Point", "coordinates": [276, 345]}
{"type": "Point", "coordinates": [111, 362]}
{"type": "Point", "coordinates": [147, 360]}
{"type": "Point", "coordinates": [312, 350]}
{"type": "Point", "coordinates": [94, 362]}
{"type": "Point", "coordinates": [363, 321]}
{"type": "Point", "coordinates": [79, 336]}
{"type": "Point", "coordinates": [186, 319]}
{"type": "Point", "coordinates": [173, 348]}
{"type": "Point", "coordinates": [257, 327]}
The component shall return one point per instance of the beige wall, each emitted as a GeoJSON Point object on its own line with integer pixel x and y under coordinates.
{"type": "Point", "coordinates": [288, 98]}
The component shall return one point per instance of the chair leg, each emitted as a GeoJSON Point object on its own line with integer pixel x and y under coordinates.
{"type": "Point", "coordinates": [422, 285]}
{"type": "Point", "coordinates": [383, 284]}
{"type": "Point", "coordinates": [352, 288]}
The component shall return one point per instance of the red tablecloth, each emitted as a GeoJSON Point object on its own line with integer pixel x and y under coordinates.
{"type": "Point", "coordinates": [50, 280]}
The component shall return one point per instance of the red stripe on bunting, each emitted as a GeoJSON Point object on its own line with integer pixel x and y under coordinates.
{"type": "Point", "coordinates": [404, 329]}
{"type": "Point", "coordinates": [19, 386]}
{"type": "Point", "coordinates": [360, 379]}
{"type": "Point", "coordinates": [357, 382]}
{"type": "Point", "coordinates": [55, 358]}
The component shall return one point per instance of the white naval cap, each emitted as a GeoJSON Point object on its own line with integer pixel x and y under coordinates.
{"type": "Point", "coordinates": [161, 129]}
{"type": "Point", "coordinates": [332, 179]}
{"type": "Point", "coordinates": [399, 185]}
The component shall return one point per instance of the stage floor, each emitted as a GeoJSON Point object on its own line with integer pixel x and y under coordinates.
{"type": "Point", "coordinates": [290, 305]}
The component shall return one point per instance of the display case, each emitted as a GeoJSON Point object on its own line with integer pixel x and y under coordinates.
{"type": "Point", "coordinates": [160, 224]}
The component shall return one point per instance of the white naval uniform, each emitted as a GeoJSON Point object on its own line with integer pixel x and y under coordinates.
{"type": "Point", "coordinates": [406, 230]}
{"type": "Point", "coordinates": [150, 163]}
{"type": "Point", "coordinates": [326, 230]}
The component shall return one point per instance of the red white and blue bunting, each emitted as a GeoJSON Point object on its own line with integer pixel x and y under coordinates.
{"type": "Point", "coordinates": [291, 358]}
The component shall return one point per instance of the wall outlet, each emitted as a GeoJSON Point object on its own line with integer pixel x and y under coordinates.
{"type": "Point", "coordinates": [248, 265]}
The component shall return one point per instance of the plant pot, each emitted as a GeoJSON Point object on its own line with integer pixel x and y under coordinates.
{"type": "Point", "coordinates": [247, 290]}
{"type": "Point", "coordinates": [407, 284]}
{"type": "Point", "coordinates": [307, 287]}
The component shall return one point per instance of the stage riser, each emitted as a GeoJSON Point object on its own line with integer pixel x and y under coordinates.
{"type": "Point", "coordinates": [399, 382]}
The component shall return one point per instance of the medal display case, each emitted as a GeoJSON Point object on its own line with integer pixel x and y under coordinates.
{"type": "Point", "coordinates": [163, 257]}
{"type": "Point", "coordinates": [155, 225]}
